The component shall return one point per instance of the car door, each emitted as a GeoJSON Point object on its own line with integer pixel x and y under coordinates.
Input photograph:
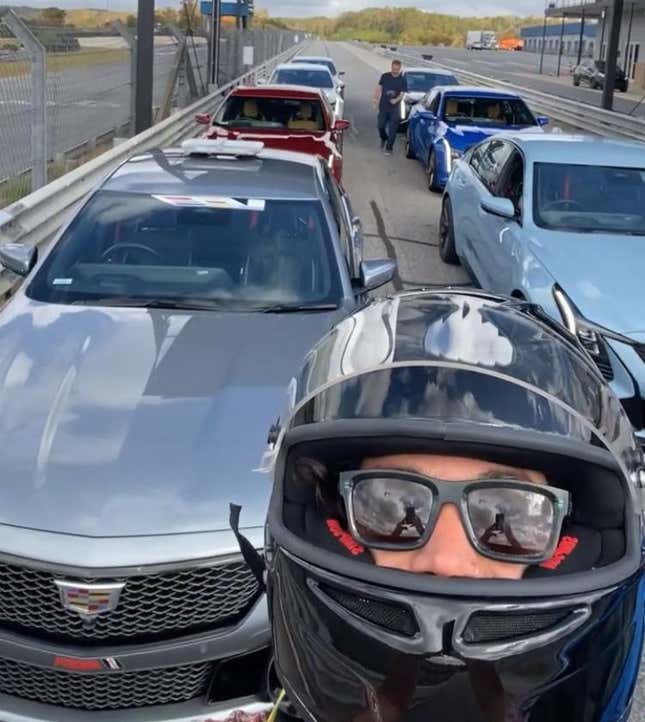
{"type": "Point", "coordinates": [483, 228]}
{"type": "Point", "coordinates": [426, 126]}
{"type": "Point", "coordinates": [506, 248]}
{"type": "Point", "coordinates": [342, 212]}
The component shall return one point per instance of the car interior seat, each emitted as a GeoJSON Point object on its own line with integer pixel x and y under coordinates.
{"type": "Point", "coordinates": [452, 107]}
{"type": "Point", "coordinates": [303, 119]}
{"type": "Point", "coordinates": [250, 110]}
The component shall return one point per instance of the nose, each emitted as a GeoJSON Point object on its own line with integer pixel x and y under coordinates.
{"type": "Point", "coordinates": [448, 552]}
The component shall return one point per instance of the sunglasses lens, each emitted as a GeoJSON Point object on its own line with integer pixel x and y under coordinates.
{"type": "Point", "coordinates": [512, 521]}
{"type": "Point", "coordinates": [391, 510]}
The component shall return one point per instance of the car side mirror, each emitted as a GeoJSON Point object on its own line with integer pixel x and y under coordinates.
{"type": "Point", "coordinates": [341, 124]}
{"type": "Point", "coordinates": [341, 72]}
{"type": "Point", "coordinates": [375, 274]}
{"type": "Point", "coordinates": [502, 207]}
{"type": "Point", "coordinates": [18, 257]}
{"type": "Point", "coordinates": [542, 120]}
{"type": "Point", "coordinates": [203, 118]}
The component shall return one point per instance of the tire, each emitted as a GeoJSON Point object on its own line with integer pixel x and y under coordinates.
{"type": "Point", "coordinates": [409, 153]}
{"type": "Point", "coordinates": [576, 82]}
{"type": "Point", "coordinates": [447, 249]}
{"type": "Point", "coordinates": [431, 173]}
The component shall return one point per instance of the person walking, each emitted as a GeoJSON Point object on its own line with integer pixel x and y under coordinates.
{"type": "Point", "coordinates": [388, 95]}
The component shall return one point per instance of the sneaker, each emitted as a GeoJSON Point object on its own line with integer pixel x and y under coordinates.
{"type": "Point", "coordinates": [387, 151]}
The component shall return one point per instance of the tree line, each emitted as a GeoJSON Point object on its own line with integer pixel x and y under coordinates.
{"type": "Point", "coordinates": [408, 26]}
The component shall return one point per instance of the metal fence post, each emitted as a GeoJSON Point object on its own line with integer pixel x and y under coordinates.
{"type": "Point", "coordinates": [131, 39]}
{"type": "Point", "coordinates": [38, 57]}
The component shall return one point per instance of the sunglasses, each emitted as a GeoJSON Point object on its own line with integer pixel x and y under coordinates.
{"type": "Point", "coordinates": [504, 519]}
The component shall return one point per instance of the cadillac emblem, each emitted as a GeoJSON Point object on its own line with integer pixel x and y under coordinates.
{"type": "Point", "coordinates": [89, 600]}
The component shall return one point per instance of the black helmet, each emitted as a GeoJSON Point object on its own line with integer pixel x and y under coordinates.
{"type": "Point", "coordinates": [466, 374]}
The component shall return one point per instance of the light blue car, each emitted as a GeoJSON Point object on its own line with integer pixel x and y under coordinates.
{"type": "Point", "coordinates": [559, 220]}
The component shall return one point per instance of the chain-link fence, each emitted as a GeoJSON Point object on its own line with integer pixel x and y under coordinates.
{"type": "Point", "coordinates": [88, 90]}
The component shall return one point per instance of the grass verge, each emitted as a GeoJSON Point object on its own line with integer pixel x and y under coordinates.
{"type": "Point", "coordinates": [57, 62]}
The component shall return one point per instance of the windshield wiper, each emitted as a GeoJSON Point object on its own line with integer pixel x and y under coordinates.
{"type": "Point", "coordinates": [295, 307]}
{"type": "Point", "coordinates": [177, 304]}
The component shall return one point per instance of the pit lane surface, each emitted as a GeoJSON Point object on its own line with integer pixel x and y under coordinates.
{"type": "Point", "coordinates": [400, 216]}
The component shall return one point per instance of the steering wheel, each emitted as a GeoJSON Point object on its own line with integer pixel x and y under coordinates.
{"type": "Point", "coordinates": [126, 247]}
{"type": "Point", "coordinates": [566, 205]}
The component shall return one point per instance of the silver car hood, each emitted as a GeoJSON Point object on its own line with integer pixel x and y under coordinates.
{"type": "Point", "coordinates": [611, 263]}
{"type": "Point", "coordinates": [131, 422]}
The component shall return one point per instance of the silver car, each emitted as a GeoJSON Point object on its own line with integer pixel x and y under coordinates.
{"type": "Point", "coordinates": [143, 362]}
{"type": "Point", "coordinates": [559, 220]}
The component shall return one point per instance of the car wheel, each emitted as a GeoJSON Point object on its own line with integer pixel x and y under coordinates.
{"type": "Point", "coordinates": [409, 153]}
{"type": "Point", "coordinates": [431, 172]}
{"type": "Point", "coordinates": [447, 249]}
{"type": "Point", "coordinates": [576, 81]}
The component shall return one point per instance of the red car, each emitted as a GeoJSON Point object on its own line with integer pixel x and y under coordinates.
{"type": "Point", "coordinates": [281, 116]}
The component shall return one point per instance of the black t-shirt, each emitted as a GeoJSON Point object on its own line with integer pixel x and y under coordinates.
{"type": "Point", "coordinates": [392, 87]}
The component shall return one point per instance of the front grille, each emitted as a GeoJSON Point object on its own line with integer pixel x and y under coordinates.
{"type": "Point", "coordinates": [151, 605]}
{"type": "Point", "coordinates": [117, 690]}
{"type": "Point", "coordinates": [601, 358]}
{"type": "Point", "coordinates": [486, 627]}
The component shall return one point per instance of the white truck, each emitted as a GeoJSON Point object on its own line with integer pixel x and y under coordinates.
{"type": "Point", "coordinates": [481, 40]}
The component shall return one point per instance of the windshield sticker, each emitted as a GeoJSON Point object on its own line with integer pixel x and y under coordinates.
{"type": "Point", "coordinates": [62, 282]}
{"type": "Point", "coordinates": [247, 204]}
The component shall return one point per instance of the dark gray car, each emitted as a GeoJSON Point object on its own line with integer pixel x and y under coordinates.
{"type": "Point", "coordinates": [142, 363]}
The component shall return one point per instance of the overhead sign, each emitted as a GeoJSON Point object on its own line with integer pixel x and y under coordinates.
{"type": "Point", "coordinates": [229, 9]}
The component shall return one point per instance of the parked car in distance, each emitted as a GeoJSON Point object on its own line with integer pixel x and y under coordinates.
{"type": "Point", "coordinates": [592, 72]}
{"type": "Point", "coordinates": [144, 360]}
{"type": "Point", "coordinates": [420, 82]}
{"type": "Point", "coordinates": [329, 63]}
{"type": "Point", "coordinates": [451, 119]}
{"type": "Point", "coordinates": [311, 76]}
{"type": "Point", "coordinates": [283, 117]}
{"type": "Point", "coordinates": [559, 220]}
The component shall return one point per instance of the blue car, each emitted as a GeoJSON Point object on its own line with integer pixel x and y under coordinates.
{"type": "Point", "coordinates": [559, 220]}
{"type": "Point", "coordinates": [451, 119]}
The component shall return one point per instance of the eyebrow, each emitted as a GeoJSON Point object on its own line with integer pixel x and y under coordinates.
{"type": "Point", "coordinates": [514, 474]}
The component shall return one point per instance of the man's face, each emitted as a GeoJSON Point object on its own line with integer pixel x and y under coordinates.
{"type": "Point", "coordinates": [396, 69]}
{"type": "Point", "coordinates": [448, 552]}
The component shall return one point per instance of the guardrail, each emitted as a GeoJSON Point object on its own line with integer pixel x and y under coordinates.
{"type": "Point", "coordinates": [573, 113]}
{"type": "Point", "coordinates": [35, 218]}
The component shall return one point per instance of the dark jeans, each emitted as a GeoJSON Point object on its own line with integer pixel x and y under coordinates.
{"type": "Point", "coordinates": [388, 125]}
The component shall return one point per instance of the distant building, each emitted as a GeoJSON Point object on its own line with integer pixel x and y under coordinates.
{"type": "Point", "coordinates": [534, 35]}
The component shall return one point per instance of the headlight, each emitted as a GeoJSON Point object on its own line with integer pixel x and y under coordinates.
{"type": "Point", "coordinates": [451, 155]}
{"type": "Point", "coordinates": [591, 341]}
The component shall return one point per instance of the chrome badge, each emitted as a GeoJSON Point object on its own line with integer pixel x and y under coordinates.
{"type": "Point", "coordinates": [89, 600]}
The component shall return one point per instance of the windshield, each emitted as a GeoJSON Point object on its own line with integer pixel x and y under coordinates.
{"type": "Point", "coordinates": [315, 61]}
{"type": "Point", "coordinates": [423, 82]}
{"type": "Point", "coordinates": [589, 199]}
{"type": "Point", "coordinates": [234, 253]}
{"type": "Point", "coordinates": [502, 111]}
{"type": "Point", "coordinates": [244, 112]}
{"type": "Point", "coordinates": [310, 78]}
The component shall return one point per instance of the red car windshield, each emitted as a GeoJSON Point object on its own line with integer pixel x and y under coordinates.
{"type": "Point", "coordinates": [249, 112]}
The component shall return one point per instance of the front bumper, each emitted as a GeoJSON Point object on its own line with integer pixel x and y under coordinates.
{"type": "Point", "coordinates": [33, 660]}
{"type": "Point", "coordinates": [18, 711]}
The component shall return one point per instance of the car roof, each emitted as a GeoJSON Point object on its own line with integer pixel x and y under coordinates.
{"type": "Point", "coordinates": [312, 57]}
{"type": "Point", "coordinates": [434, 71]}
{"type": "Point", "coordinates": [270, 174]}
{"type": "Point", "coordinates": [577, 149]}
{"type": "Point", "coordinates": [477, 92]}
{"type": "Point", "coordinates": [302, 66]}
{"type": "Point", "coordinates": [278, 91]}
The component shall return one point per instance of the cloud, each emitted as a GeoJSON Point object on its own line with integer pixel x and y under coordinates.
{"type": "Point", "coordinates": [296, 8]}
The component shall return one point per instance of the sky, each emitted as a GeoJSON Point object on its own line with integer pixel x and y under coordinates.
{"type": "Point", "coordinates": [303, 8]}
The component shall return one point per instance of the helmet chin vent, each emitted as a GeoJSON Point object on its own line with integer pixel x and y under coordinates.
{"type": "Point", "coordinates": [485, 627]}
{"type": "Point", "coordinates": [392, 617]}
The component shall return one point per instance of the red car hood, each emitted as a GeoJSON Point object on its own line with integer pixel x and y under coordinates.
{"type": "Point", "coordinates": [319, 143]}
